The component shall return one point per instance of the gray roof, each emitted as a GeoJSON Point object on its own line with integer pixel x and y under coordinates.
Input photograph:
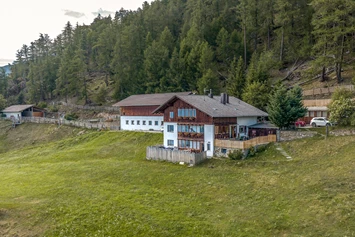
{"type": "Point", "coordinates": [16, 108]}
{"type": "Point", "coordinates": [148, 99]}
{"type": "Point", "coordinates": [214, 108]}
{"type": "Point", "coordinates": [264, 125]}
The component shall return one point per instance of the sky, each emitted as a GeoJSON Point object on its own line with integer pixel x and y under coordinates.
{"type": "Point", "coordinates": [21, 21]}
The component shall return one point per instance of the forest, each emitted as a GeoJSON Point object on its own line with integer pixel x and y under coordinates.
{"type": "Point", "coordinates": [184, 45]}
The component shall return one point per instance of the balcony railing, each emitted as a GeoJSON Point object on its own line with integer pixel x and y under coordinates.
{"type": "Point", "coordinates": [186, 119]}
{"type": "Point", "coordinates": [193, 135]}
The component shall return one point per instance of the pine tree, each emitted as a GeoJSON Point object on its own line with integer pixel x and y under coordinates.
{"type": "Point", "coordinates": [333, 23]}
{"type": "Point", "coordinates": [208, 81]}
{"type": "Point", "coordinates": [256, 94]}
{"type": "Point", "coordinates": [236, 78]}
{"type": "Point", "coordinates": [2, 102]}
{"type": "Point", "coordinates": [285, 107]}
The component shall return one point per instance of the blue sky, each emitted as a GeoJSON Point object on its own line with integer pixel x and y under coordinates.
{"type": "Point", "coordinates": [23, 20]}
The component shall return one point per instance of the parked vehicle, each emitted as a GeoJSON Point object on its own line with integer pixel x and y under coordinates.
{"type": "Point", "coordinates": [320, 121]}
{"type": "Point", "coordinates": [300, 123]}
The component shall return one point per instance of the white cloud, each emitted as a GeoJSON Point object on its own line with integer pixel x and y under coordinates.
{"type": "Point", "coordinates": [73, 14]}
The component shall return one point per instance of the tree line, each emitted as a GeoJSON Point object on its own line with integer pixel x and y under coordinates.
{"type": "Point", "coordinates": [185, 45]}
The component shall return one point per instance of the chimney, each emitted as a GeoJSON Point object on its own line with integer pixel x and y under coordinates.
{"type": "Point", "coordinates": [227, 98]}
{"type": "Point", "coordinates": [210, 94]}
{"type": "Point", "coordinates": [223, 98]}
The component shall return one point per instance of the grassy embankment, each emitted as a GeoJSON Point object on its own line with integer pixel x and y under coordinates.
{"type": "Point", "coordinates": [99, 184]}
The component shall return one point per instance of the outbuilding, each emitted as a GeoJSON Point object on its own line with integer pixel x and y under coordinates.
{"type": "Point", "coordinates": [17, 112]}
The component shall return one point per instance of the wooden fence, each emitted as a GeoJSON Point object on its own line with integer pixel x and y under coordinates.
{"type": "Point", "coordinates": [325, 91]}
{"type": "Point", "coordinates": [96, 108]}
{"type": "Point", "coordinates": [234, 144]}
{"type": "Point", "coordinates": [72, 123]}
{"type": "Point", "coordinates": [175, 156]}
{"type": "Point", "coordinates": [317, 103]}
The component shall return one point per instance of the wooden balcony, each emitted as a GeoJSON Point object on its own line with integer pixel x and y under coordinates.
{"type": "Point", "coordinates": [186, 119]}
{"type": "Point", "coordinates": [190, 135]}
{"type": "Point", "coordinates": [235, 144]}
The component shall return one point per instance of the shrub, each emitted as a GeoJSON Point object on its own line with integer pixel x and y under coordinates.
{"type": "Point", "coordinates": [42, 104]}
{"type": "Point", "coordinates": [236, 155]}
{"type": "Point", "coordinates": [53, 108]}
{"type": "Point", "coordinates": [252, 152]}
{"type": "Point", "coordinates": [71, 116]}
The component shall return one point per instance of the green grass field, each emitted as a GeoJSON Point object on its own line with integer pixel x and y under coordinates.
{"type": "Point", "coordinates": [73, 182]}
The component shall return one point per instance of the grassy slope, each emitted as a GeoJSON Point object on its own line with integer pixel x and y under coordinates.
{"type": "Point", "coordinates": [99, 184]}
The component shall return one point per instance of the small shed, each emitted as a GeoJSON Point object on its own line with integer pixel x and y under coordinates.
{"type": "Point", "coordinates": [17, 112]}
{"type": "Point", "coordinates": [262, 129]}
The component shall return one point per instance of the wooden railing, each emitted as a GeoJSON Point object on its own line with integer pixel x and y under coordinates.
{"type": "Point", "coordinates": [245, 144]}
{"type": "Point", "coordinates": [190, 135]}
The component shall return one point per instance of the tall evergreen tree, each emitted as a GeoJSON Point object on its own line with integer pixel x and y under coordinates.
{"type": "Point", "coordinates": [236, 79]}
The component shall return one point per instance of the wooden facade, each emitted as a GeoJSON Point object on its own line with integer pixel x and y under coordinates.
{"type": "Point", "coordinates": [201, 118]}
{"type": "Point", "coordinates": [139, 110]}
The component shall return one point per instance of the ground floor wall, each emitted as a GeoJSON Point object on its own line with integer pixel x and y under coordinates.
{"type": "Point", "coordinates": [144, 123]}
{"type": "Point", "coordinates": [170, 135]}
{"type": "Point", "coordinates": [15, 115]}
{"type": "Point", "coordinates": [209, 140]}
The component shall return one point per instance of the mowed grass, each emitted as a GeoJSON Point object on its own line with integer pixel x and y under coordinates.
{"type": "Point", "coordinates": [99, 184]}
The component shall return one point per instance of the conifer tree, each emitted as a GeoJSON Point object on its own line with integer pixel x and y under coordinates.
{"type": "Point", "coordinates": [209, 80]}
{"type": "Point", "coordinates": [285, 107]}
{"type": "Point", "coordinates": [333, 22]}
{"type": "Point", "coordinates": [236, 79]}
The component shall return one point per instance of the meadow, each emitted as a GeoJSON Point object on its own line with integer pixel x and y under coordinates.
{"type": "Point", "coordinates": [74, 182]}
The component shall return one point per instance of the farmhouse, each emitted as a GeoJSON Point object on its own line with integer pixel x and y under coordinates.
{"type": "Point", "coordinates": [316, 108]}
{"type": "Point", "coordinates": [212, 123]}
{"type": "Point", "coordinates": [136, 111]}
{"type": "Point", "coordinates": [17, 112]}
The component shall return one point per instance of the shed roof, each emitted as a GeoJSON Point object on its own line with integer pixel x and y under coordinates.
{"type": "Point", "coordinates": [264, 125]}
{"type": "Point", "coordinates": [16, 108]}
{"type": "Point", "coordinates": [148, 99]}
{"type": "Point", "coordinates": [214, 108]}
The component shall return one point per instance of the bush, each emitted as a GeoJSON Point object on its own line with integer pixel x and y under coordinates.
{"type": "Point", "coordinates": [53, 108]}
{"type": "Point", "coordinates": [42, 104]}
{"type": "Point", "coordinates": [71, 116]}
{"type": "Point", "coordinates": [236, 155]}
{"type": "Point", "coordinates": [252, 152]}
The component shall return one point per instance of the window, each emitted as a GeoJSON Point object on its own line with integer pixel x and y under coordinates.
{"type": "Point", "coordinates": [132, 122]}
{"type": "Point", "coordinates": [170, 142]}
{"type": "Point", "coordinates": [171, 114]}
{"type": "Point", "coordinates": [127, 122]}
{"type": "Point", "coordinates": [208, 146]}
{"type": "Point", "coordinates": [191, 128]}
{"type": "Point", "coordinates": [138, 122]}
{"type": "Point", "coordinates": [241, 129]}
{"type": "Point", "coordinates": [170, 128]}
{"type": "Point", "coordinates": [150, 122]}
{"type": "Point", "coordinates": [143, 122]}
{"type": "Point", "coordinates": [187, 112]}
{"type": "Point", "coordinates": [156, 123]}
{"type": "Point", "coordinates": [162, 123]}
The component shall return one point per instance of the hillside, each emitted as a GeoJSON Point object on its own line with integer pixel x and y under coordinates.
{"type": "Point", "coordinates": [99, 184]}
